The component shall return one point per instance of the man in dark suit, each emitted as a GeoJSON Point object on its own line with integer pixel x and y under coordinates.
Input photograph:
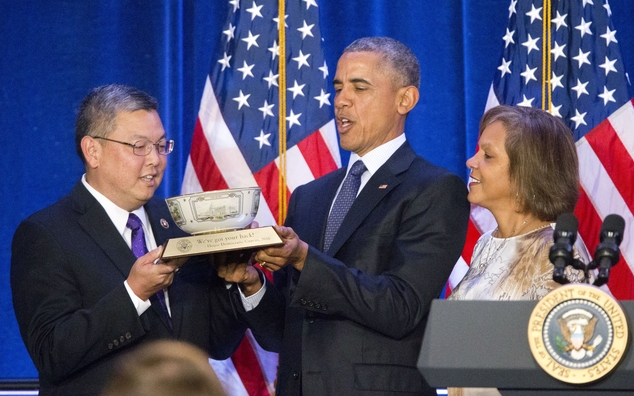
{"type": "Point", "coordinates": [358, 296]}
{"type": "Point", "coordinates": [84, 293]}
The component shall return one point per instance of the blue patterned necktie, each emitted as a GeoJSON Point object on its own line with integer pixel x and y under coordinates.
{"type": "Point", "coordinates": [139, 249]}
{"type": "Point", "coordinates": [344, 201]}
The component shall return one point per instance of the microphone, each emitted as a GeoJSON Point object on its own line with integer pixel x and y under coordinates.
{"type": "Point", "coordinates": [607, 253]}
{"type": "Point", "coordinates": [561, 252]}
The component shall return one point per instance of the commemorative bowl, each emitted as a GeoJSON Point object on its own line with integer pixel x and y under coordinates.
{"type": "Point", "coordinates": [215, 211]}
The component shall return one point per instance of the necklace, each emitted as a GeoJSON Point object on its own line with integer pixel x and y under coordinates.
{"type": "Point", "coordinates": [491, 255]}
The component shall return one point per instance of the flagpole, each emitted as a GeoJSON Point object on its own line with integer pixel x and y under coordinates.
{"type": "Point", "coordinates": [282, 115]}
{"type": "Point", "coordinates": [546, 58]}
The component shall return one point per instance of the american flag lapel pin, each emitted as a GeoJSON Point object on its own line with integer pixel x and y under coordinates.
{"type": "Point", "coordinates": [382, 186]}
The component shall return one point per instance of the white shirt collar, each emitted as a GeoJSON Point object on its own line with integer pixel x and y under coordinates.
{"type": "Point", "coordinates": [118, 216]}
{"type": "Point", "coordinates": [378, 156]}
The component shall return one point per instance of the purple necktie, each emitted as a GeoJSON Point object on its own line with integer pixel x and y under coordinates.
{"type": "Point", "coordinates": [344, 201]}
{"type": "Point", "coordinates": [139, 249]}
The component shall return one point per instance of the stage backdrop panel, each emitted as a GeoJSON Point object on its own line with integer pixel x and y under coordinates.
{"type": "Point", "coordinates": [53, 52]}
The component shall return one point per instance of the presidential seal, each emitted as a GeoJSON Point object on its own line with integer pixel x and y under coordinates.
{"type": "Point", "coordinates": [577, 333]}
{"type": "Point", "coordinates": [184, 245]}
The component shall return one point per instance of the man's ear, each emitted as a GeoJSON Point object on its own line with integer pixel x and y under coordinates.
{"type": "Point", "coordinates": [92, 151]}
{"type": "Point", "coordinates": [409, 97]}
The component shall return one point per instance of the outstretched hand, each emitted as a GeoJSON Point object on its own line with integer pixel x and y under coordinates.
{"type": "Point", "coordinates": [292, 252]}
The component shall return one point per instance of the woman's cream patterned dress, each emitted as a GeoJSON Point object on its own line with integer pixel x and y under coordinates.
{"type": "Point", "coordinates": [514, 268]}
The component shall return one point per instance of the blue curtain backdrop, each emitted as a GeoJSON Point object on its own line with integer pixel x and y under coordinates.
{"type": "Point", "coordinates": [53, 52]}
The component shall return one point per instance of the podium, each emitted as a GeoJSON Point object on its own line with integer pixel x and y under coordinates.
{"type": "Point", "coordinates": [485, 344]}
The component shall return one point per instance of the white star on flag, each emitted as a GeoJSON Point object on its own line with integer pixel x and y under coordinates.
{"type": "Point", "coordinates": [266, 110]}
{"type": "Point", "coordinates": [584, 27]}
{"type": "Point", "coordinates": [505, 67]}
{"type": "Point", "coordinates": [296, 89]}
{"type": "Point", "coordinates": [246, 70]}
{"type": "Point", "coordinates": [229, 32]}
{"type": "Point", "coordinates": [302, 60]}
{"type": "Point", "coordinates": [531, 44]}
{"type": "Point", "coordinates": [293, 119]}
{"type": "Point", "coordinates": [263, 139]}
{"type": "Point", "coordinates": [526, 102]}
{"type": "Point", "coordinates": [578, 118]}
{"type": "Point", "coordinates": [558, 51]}
{"type": "Point", "coordinates": [251, 40]}
{"type": "Point", "coordinates": [607, 96]}
{"type": "Point", "coordinates": [529, 74]}
{"type": "Point", "coordinates": [309, 3]}
{"type": "Point", "coordinates": [582, 58]}
{"type": "Point", "coordinates": [225, 61]}
{"type": "Point", "coordinates": [323, 98]}
{"type": "Point", "coordinates": [275, 50]}
{"type": "Point", "coordinates": [534, 13]}
{"type": "Point", "coordinates": [255, 11]}
{"type": "Point", "coordinates": [608, 65]}
{"type": "Point", "coordinates": [242, 100]}
{"type": "Point", "coordinates": [560, 20]}
{"type": "Point", "coordinates": [271, 79]}
{"type": "Point", "coordinates": [306, 30]}
{"type": "Point", "coordinates": [508, 37]}
{"type": "Point", "coordinates": [580, 88]}
{"type": "Point", "coordinates": [609, 36]}
{"type": "Point", "coordinates": [555, 81]}
{"type": "Point", "coordinates": [324, 69]}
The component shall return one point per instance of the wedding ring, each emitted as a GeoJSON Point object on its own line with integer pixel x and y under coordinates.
{"type": "Point", "coordinates": [263, 264]}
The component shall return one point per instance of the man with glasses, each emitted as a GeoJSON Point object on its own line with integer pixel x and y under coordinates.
{"type": "Point", "coordinates": [86, 275]}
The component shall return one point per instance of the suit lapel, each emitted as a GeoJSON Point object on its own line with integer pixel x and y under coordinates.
{"type": "Point", "coordinates": [163, 228]}
{"type": "Point", "coordinates": [380, 184]}
{"type": "Point", "coordinates": [97, 224]}
{"type": "Point", "coordinates": [319, 206]}
{"type": "Point", "coordinates": [95, 221]}
{"type": "Point", "coordinates": [161, 222]}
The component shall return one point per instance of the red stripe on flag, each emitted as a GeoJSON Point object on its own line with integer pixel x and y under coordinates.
{"type": "Point", "coordinates": [248, 368]}
{"type": "Point", "coordinates": [589, 221]}
{"type": "Point", "coordinates": [208, 174]}
{"type": "Point", "coordinates": [472, 237]}
{"type": "Point", "coordinates": [621, 280]}
{"type": "Point", "coordinates": [268, 179]}
{"type": "Point", "coordinates": [615, 158]}
{"type": "Point", "coordinates": [317, 155]}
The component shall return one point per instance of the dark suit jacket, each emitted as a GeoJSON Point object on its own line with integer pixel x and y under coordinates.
{"type": "Point", "coordinates": [356, 314]}
{"type": "Point", "coordinates": [75, 316]}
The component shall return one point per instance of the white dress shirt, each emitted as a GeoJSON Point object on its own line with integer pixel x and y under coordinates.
{"type": "Point", "coordinates": [119, 218]}
{"type": "Point", "coordinates": [373, 160]}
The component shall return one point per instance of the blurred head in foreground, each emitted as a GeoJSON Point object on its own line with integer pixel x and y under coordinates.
{"type": "Point", "coordinates": [164, 368]}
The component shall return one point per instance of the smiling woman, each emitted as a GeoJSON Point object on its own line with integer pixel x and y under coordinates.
{"type": "Point", "coordinates": [490, 181]}
{"type": "Point", "coordinates": [526, 174]}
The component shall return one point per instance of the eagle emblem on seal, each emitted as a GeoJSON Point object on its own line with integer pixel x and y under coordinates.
{"type": "Point", "coordinates": [577, 333]}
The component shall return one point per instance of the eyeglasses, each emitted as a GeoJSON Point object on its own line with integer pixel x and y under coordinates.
{"type": "Point", "coordinates": [144, 147]}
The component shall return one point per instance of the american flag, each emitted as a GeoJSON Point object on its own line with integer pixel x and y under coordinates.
{"type": "Point", "coordinates": [236, 141]}
{"type": "Point", "coordinates": [581, 80]}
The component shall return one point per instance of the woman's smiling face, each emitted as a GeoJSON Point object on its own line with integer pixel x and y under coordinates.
{"type": "Point", "coordinates": [490, 184]}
